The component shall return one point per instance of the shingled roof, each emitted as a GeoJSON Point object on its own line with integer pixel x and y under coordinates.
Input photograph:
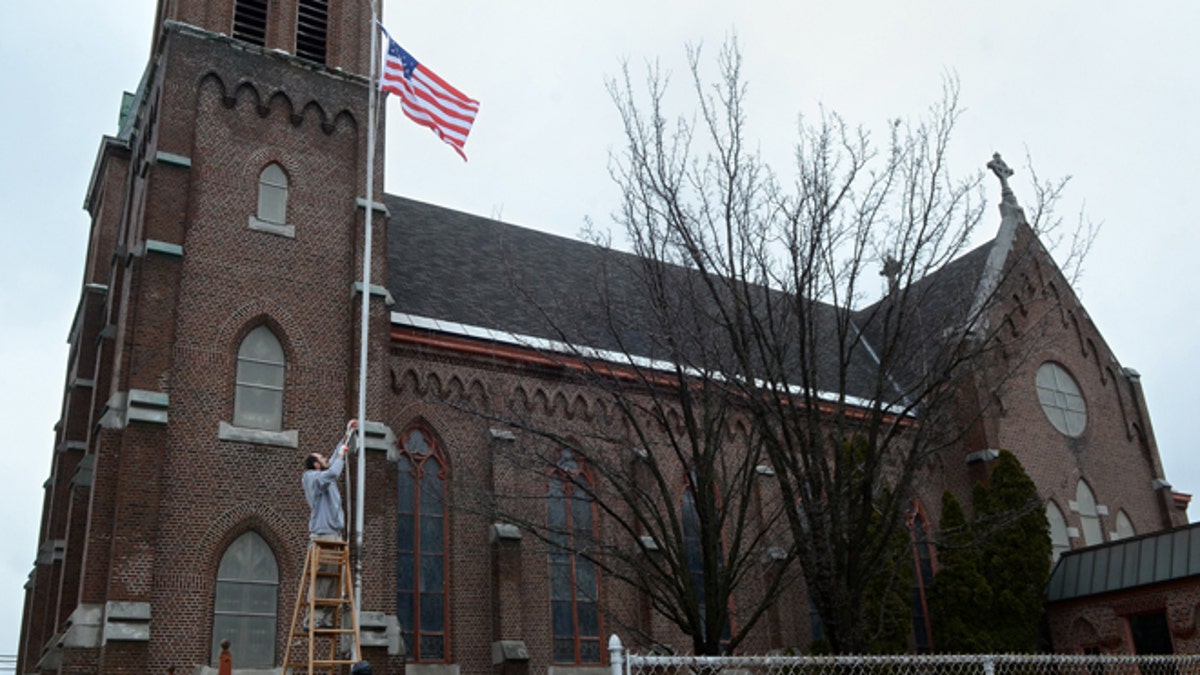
{"type": "Point", "coordinates": [942, 301]}
{"type": "Point", "coordinates": [476, 276]}
{"type": "Point", "coordinates": [463, 269]}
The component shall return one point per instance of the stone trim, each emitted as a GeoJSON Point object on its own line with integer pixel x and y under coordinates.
{"type": "Point", "coordinates": [380, 207]}
{"type": "Point", "coordinates": [529, 342]}
{"type": "Point", "coordinates": [51, 654]}
{"type": "Point", "coordinates": [431, 669]}
{"type": "Point", "coordinates": [285, 439]}
{"type": "Point", "coordinates": [988, 455]}
{"type": "Point", "coordinates": [84, 472]}
{"type": "Point", "coordinates": [163, 248]}
{"type": "Point", "coordinates": [378, 436]}
{"type": "Point", "coordinates": [509, 651]}
{"type": "Point", "coordinates": [577, 670]}
{"type": "Point", "coordinates": [126, 622]}
{"type": "Point", "coordinates": [137, 405]}
{"type": "Point", "coordinates": [377, 629]}
{"type": "Point", "coordinates": [502, 434]}
{"type": "Point", "coordinates": [210, 670]}
{"type": "Point", "coordinates": [774, 554]}
{"type": "Point", "coordinates": [376, 290]}
{"type": "Point", "coordinates": [72, 446]}
{"type": "Point", "coordinates": [88, 290]}
{"type": "Point", "coordinates": [51, 551]}
{"type": "Point", "coordinates": [504, 532]}
{"type": "Point", "coordinates": [282, 230]}
{"type": "Point", "coordinates": [83, 627]}
{"type": "Point", "coordinates": [112, 415]}
{"type": "Point", "coordinates": [81, 382]}
{"type": "Point", "coordinates": [144, 398]}
{"type": "Point", "coordinates": [171, 158]}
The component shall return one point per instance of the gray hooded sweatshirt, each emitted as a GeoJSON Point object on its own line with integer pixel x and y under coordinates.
{"type": "Point", "coordinates": [321, 491]}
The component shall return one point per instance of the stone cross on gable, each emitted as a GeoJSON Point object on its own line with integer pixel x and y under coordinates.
{"type": "Point", "coordinates": [1000, 168]}
{"type": "Point", "coordinates": [1009, 208]}
{"type": "Point", "coordinates": [891, 269]}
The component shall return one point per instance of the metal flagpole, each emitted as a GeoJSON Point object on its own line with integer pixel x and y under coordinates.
{"type": "Point", "coordinates": [368, 222]}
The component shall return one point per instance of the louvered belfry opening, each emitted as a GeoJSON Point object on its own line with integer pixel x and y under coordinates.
{"type": "Point", "coordinates": [250, 21]}
{"type": "Point", "coordinates": [312, 28]}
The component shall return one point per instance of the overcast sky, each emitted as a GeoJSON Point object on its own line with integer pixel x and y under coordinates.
{"type": "Point", "coordinates": [1106, 92]}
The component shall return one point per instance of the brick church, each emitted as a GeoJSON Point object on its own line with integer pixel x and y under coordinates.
{"type": "Point", "coordinates": [215, 344]}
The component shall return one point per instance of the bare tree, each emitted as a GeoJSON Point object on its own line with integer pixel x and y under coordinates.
{"type": "Point", "coordinates": [848, 402]}
{"type": "Point", "coordinates": [740, 341]}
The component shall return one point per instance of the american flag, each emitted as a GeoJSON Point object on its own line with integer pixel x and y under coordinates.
{"type": "Point", "coordinates": [426, 98]}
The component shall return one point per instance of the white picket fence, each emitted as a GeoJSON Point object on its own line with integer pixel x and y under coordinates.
{"type": "Point", "coordinates": [624, 663]}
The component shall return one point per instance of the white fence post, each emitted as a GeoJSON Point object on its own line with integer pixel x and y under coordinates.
{"type": "Point", "coordinates": [616, 655]}
{"type": "Point", "coordinates": [989, 667]}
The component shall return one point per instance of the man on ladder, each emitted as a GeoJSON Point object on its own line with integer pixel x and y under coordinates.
{"type": "Point", "coordinates": [327, 521]}
{"type": "Point", "coordinates": [326, 580]}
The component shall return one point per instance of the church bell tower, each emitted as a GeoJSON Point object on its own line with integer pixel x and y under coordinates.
{"type": "Point", "coordinates": [216, 341]}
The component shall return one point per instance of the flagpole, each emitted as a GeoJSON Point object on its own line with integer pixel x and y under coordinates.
{"type": "Point", "coordinates": [368, 222]}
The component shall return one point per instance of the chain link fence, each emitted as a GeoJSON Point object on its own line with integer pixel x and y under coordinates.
{"type": "Point", "coordinates": [1006, 664]}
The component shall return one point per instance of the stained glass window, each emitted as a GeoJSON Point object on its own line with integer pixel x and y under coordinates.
{"type": "Point", "coordinates": [421, 533]}
{"type": "Point", "coordinates": [574, 585]}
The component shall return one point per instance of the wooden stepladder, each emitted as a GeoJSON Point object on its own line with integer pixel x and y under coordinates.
{"type": "Point", "coordinates": [319, 635]}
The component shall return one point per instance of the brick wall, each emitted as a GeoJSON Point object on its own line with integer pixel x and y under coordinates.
{"type": "Point", "coordinates": [1101, 622]}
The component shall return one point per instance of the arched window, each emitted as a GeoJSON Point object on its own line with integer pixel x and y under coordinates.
{"type": "Point", "coordinates": [421, 583]}
{"type": "Point", "coordinates": [246, 596]}
{"type": "Point", "coordinates": [922, 580]}
{"type": "Point", "coordinates": [250, 21]}
{"type": "Point", "coordinates": [258, 396]}
{"type": "Point", "coordinates": [272, 195]}
{"type": "Point", "coordinates": [574, 588]}
{"type": "Point", "coordinates": [1060, 539]}
{"type": "Point", "coordinates": [1124, 527]}
{"type": "Point", "coordinates": [312, 29]}
{"type": "Point", "coordinates": [693, 545]}
{"type": "Point", "coordinates": [1089, 515]}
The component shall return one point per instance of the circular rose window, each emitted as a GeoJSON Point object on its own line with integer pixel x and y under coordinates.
{"type": "Point", "coordinates": [1061, 399]}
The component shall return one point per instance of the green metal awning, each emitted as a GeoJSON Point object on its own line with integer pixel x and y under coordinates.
{"type": "Point", "coordinates": [1140, 561]}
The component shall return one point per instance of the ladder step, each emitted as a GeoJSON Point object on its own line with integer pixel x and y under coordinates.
{"type": "Point", "coordinates": [329, 562]}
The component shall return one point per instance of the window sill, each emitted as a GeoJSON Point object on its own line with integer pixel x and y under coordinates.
{"type": "Point", "coordinates": [431, 668]}
{"type": "Point", "coordinates": [285, 439]}
{"type": "Point", "coordinates": [561, 669]}
{"type": "Point", "coordinates": [279, 229]}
